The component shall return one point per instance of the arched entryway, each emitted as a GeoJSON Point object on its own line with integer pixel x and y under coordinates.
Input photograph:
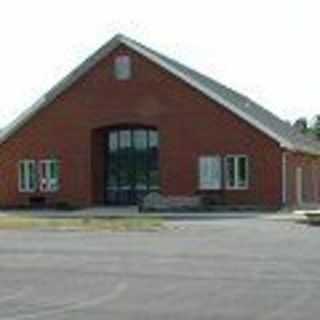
{"type": "Point", "coordinates": [131, 164]}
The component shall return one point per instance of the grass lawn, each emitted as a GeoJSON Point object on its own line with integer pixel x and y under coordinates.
{"type": "Point", "coordinates": [16, 222]}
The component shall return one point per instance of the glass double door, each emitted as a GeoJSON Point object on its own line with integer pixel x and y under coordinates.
{"type": "Point", "coordinates": [132, 162]}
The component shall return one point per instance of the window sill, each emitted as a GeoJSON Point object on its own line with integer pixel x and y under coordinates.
{"type": "Point", "coordinates": [38, 191]}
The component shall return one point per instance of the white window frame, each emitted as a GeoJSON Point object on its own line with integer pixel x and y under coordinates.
{"type": "Point", "coordinates": [45, 185]}
{"type": "Point", "coordinates": [299, 184]}
{"type": "Point", "coordinates": [121, 62]}
{"type": "Point", "coordinates": [26, 163]}
{"type": "Point", "coordinates": [214, 184]}
{"type": "Point", "coordinates": [237, 185]}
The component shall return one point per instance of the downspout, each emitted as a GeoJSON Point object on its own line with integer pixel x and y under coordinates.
{"type": "Point", "coordinates": [284, 178]}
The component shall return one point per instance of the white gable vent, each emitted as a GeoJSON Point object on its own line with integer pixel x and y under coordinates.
{"type": "Point", "coordinates": [122, 67]}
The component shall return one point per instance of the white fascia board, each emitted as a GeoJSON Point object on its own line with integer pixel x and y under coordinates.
{"type": "Point", "coordinates": [58, 89]}
{"type": "Point", "coordinates": [283, 142]}
{"type": "Point", "coordinates": [100, 54]}
{"type": "Point", "coordinates": [22, 119]}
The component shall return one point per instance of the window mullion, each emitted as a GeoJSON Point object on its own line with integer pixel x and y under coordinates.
{"type": "Point", "coordinates": [47, 173]}
{"type": "Point", "coordinates": [25, 176]}
{"type": "Point", "coordinates": [28, 175]}
{"type": "Point", "coordinates": [33, 175]}
{"type": "Point", "coordinates": [236, 172]}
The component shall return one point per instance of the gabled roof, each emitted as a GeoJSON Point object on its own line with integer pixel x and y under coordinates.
{"type": "Point", "coordinates": [242, 106]}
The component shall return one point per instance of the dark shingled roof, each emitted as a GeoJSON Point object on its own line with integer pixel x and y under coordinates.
{"type": "Point", "coordinates": [255, 114]}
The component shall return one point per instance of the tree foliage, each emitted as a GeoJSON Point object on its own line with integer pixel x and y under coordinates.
{"type": "Point", "coordinates": [315, 126]}
{"type": "Point", "coordinates": [312, 127]}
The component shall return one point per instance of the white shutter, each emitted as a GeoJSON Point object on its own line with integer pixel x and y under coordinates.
{"type": "Point", "coordinates": [210, 173]}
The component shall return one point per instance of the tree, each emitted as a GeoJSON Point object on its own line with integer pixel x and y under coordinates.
{"type": "Point", "coordinates": [311, 128]}
{"type": "Point", "coordinates": [315, 126]}
{"type": "Point", "coordinates": [301, 125]}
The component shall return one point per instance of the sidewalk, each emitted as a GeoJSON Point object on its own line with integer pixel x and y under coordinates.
{"type": "Point", "coordinates": [133, 212]}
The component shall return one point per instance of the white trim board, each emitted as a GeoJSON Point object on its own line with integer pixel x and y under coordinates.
{"type": "Point", "coordinates": [103, 52]}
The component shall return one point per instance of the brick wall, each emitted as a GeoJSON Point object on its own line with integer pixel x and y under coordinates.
{"type": "Point", "coordinates": [189, 124]}
{"type": "Point", "coordinates": [310, 167]}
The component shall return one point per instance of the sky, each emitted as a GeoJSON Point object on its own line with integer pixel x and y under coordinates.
{"type": "Point", "coordinates": [266, 49]}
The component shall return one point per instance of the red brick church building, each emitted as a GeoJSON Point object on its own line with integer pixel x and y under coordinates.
{"type": "Point", "coordinates": [130, 121]}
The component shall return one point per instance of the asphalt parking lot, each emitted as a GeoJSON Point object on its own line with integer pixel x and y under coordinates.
{"type": "Point", "coordinates": [225, 269]}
